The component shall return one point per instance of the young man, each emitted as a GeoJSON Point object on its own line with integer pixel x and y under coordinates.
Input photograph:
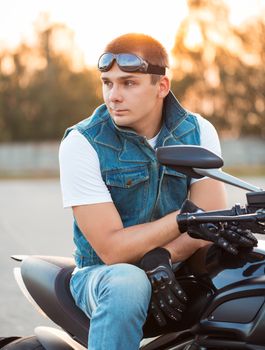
{"type": "Point", "coordinates": [124, 203]}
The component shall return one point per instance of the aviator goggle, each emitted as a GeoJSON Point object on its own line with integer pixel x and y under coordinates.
{"type": "Point", "coordinates": [128, 62]}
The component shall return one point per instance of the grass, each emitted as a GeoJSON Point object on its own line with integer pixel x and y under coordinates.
{"type": "Point", "coordinates": [28, 175]}
{"type": "Point", "coordinates": [246, 170]}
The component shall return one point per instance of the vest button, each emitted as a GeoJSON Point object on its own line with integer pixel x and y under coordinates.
{"type": "Point", "coordinates": [129, 182]}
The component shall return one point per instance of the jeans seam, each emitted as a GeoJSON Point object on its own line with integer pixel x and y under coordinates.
{"type": "Point", "coordinates": [104, 338]}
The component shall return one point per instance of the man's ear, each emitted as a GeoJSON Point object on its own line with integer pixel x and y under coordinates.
{"type": "Point", "coordinates": [164, 86]}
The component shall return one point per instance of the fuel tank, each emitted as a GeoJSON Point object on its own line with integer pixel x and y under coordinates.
{"type": "Point", "coordinates": [233, 305]}
{"type": "Point", "coordinates": [219, 269]}
{"type": "Point", "coordinates": [225, 293]}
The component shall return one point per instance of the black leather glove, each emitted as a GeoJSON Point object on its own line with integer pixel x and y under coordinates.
{"type": "Point", "coordinates": [168, 298]}
{"type": "Point", "coordinates": [256, 225]}
{"type": "Point", "coordinates": [226, 235]}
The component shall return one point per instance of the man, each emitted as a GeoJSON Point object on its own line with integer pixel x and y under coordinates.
{"type": "Point", "coordinates": [124, 203]}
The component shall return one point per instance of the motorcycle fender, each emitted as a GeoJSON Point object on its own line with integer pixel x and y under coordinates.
{"type": "Point", "coordinates": [55, 339]}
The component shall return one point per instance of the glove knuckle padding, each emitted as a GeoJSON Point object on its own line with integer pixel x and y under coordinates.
{"type": "Point", "coordinates": [167, 296]}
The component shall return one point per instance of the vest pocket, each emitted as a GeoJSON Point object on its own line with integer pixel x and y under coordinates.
{"type": "Point", "coordinates": [128, 188]}
{"type": "Point", "coordinates": [126, 178]}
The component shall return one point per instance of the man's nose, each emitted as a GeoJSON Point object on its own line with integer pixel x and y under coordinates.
{"type": "Point", "coordinates": [115, 94]}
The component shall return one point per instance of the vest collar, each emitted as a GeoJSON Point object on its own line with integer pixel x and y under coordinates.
{"type": "Point", "coordinates": [176, 122]}
{"type": "Point", "coordinates": [173, 112]}
{"type": "Point", "coordinates": [174, 126]}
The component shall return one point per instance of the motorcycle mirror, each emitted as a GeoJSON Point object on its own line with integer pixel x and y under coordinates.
{"type": "Point", "coordinates": [188, 156]}
{"type": "Point", "coordinates": [197, 162]}
{"type": "Point", "coordinates": [185, 158]}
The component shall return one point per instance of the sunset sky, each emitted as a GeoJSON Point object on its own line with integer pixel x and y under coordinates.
{"type": "Point", "coordinates": [94, 23]}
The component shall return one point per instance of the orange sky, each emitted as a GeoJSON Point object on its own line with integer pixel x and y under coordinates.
{"type": "Point", "coordinates": [94, 23]}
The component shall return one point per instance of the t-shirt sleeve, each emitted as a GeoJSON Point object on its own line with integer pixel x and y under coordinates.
{"type": "Point", "coordinates": [80, 175]}
{"type": "Point", "coordinates": [209, 139]}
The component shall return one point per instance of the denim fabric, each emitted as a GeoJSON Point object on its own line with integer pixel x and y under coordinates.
{"type": "Point", "coordinates": [116, 299]}
{"type": "Point", "coordinates": [142, 190]}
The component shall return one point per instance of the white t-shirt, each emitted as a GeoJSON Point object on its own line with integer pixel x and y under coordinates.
{"type": "Point", "coordinates": [80, 176]}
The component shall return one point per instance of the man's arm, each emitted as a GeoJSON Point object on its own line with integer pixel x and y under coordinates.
{"type": "Point", "coordinates": [207, 194]}
{"type": "Point", "coordinates": [85, 191]}
{"type": "Point", "coordinates": [102, 226]}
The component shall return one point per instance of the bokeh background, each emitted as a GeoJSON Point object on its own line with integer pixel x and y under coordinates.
{"type": "Point", "coordinates": [49, 81]}
{"type": "Point", "coordinates": [48, 76]}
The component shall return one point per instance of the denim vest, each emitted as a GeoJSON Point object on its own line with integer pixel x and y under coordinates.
{"type": "Point", "coordinates": [141, 189]}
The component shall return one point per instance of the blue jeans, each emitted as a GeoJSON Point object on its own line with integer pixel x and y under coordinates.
{"type": "Point", "coordinates": [116, 299]}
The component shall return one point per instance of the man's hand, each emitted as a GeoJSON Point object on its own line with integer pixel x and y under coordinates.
{"type": "Point", "coordinates": [168, 298]}
{"type": "Point", "coordinates": [226, 235]}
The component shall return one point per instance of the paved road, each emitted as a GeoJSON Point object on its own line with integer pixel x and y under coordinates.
{"type": "Point", "coordinates": [32, 221]}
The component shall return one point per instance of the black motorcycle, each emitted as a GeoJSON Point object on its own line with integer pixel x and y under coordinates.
{"type": "Point", "coordinates": [226, 308]}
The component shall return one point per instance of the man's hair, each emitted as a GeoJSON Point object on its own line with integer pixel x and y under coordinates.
{"type": "Point", "coordinates": [144, 45]}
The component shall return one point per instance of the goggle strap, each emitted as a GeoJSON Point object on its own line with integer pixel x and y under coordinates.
{"type": "Point", "coordinates": [152, 69]}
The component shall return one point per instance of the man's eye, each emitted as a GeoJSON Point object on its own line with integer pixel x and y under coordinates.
{"type": "Point", "coordinates": [129, 83]}
{"type": "Point", "coordinates": [107, 83]}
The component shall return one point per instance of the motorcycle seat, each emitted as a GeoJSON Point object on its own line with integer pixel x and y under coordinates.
{"type": "Point", "coordinates": [47, 280]}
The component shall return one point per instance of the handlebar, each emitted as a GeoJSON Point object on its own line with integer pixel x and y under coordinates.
{"type": "Point", "coordinates": [235, 217]}
{"type": "Point", "coordinates": [258, 217]}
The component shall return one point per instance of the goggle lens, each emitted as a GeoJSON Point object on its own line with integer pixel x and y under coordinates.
{"type": "Point", "coordinates": [105, 62]}
{"type": "Point", "coordinates": [129, 63]}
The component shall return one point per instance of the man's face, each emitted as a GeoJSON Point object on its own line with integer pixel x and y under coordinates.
{"type": "Point", "coordinates": [131, 99]}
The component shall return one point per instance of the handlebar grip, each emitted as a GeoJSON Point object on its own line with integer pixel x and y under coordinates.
{"type": "Point", "coordinates": [256, 217]}
{"type": "Point", "coordinates": [203, 216]}
{"type": "Point", "coordinates": [182, 220]}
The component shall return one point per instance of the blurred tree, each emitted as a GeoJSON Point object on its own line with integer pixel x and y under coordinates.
{"type": "Point", "coordinates": [41, 91]}
{"type": "Point", "coordinates": [219, 70]}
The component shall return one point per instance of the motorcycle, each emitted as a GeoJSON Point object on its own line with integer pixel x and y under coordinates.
{"type": "Point", "coordinates": [226, 293]}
